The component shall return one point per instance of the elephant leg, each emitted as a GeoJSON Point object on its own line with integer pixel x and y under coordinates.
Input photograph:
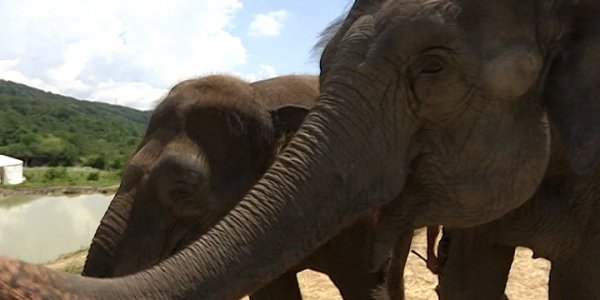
{"type": "Point", "coordinates": [284, 287]}
{"type": "Point", "coordinates": [356, 284]}
{"type": "Point", "coordinates": [570, 282]}
{"type": "Point", "coordinates": [353, 276]}
{"type": "Point", "coordinates": [345, 259]}
{"type": "Point", "coordinates": [577, 277]}
{"type": "Point", "coordinates": [473, 267]}
{"type": "Point", "coordinates": [395, 273]}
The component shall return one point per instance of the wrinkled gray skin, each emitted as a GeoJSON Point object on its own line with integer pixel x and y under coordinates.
{"type": "Point", "coordinates": [560, 223]}
{"type": "Point", "coordinates": [191, 176]}
{"type": "Point", "coordinates": [435, 102]}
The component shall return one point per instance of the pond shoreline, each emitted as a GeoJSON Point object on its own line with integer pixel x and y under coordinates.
{"type": "Point", "coordinates": [71, 262]}
{"type": "Point", "coordinates": [40, 228]}
{"type": "Point", "coordinates": [58, 190]}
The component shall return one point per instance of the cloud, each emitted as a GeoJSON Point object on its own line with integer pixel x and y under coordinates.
{"type": "Point", "coordinates": [265, 71]}
{"type": "Point", "coordinates": [8, 72]}
{"type": "Point", "coordinates": [128, 52]}
{"type": "Point", "coordinates": [133, 94]}
{"type": "Point", "coordinates": [268, 71]}
{"type": "Point", "coordinates": [268, 24]}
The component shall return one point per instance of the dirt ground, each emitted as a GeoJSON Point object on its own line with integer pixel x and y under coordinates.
{"type": "Point", "coordinates": [70, 262]}
{"type": "Point", "coordinates": [528, 278]}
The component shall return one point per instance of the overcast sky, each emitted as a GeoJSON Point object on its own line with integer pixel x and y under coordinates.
{"type": "Point", "coordinates": [130, 52]}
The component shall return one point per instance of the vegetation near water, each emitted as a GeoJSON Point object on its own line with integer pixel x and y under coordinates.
{"type": "Point", "coordinates": [42, 177]}
{"type": "Point", "coordinates": [70, 262]}
{"type": "Point", "coordinates": [68, 146]}
{"type": "Point", "coordinates": [45, 129]}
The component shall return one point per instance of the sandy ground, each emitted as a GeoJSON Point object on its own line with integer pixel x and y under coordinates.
{"type": "Point", "coordinates": [528, 277]}
{"type": "Point", "coordinates": [71, 262]}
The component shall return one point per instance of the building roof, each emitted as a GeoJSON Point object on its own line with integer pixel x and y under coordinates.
{"type": "Point", "coordinates": [9, 161]}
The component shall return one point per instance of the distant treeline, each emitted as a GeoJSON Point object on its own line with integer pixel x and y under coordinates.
{"type": "Point", "coordinates": [45, 129]}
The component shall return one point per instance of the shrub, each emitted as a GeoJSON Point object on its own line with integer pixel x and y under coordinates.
{"type": "Point", "coordinates": [55, 173]}
{"type": "Point", "coordinates": [93, 176]}
{"type": "Point", "coordinates": [116, 164]}
{"type": "Point", "coordinates": [96, 161]}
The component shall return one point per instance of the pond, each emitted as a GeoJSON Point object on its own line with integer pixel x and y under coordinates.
{"type": "Point", "coordinates": [40, 228]}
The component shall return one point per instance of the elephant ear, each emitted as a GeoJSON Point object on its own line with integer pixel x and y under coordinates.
{"type": "Point", "coordinates": [572, 94]}
{"type": "Point", "coordinates": [287, 119]}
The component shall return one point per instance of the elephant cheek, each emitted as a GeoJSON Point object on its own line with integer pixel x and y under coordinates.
{"type": "Point", "coordinates": [513, 72]}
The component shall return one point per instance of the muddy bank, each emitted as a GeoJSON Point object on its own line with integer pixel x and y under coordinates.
{"type": "Point", "coordinates": [70, 262]}
{"type": "Point", "coordinates": [58, 190]}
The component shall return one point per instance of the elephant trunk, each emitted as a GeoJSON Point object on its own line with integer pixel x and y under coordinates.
{"type": "Point", "coordinates": [111, 230]}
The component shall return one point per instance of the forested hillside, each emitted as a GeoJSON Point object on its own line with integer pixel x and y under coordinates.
{"type": "Point", "coordinates": [42, 128]}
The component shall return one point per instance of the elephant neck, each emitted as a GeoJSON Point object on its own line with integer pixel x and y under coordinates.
{"type": "Point", "coordinates": [558, 211]}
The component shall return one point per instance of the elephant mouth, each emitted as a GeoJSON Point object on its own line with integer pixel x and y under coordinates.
{"type": "Point", "coordinates": [186, 238]}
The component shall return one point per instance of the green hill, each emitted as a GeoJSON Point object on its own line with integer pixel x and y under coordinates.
{"type": "Point", "coordinates": [43, 128]}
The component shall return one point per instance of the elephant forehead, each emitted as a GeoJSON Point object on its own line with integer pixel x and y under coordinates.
{"type": "Point", "coordinates": [508, 20]}
{"type": "Point", "coordinates": [435, 19]}
{"type": "Point", "coordinates": [177, 145]}
{"type": "Point", "coordinates": [410, 30]}
{"type": "Point", "coordinates": [414, 10]}
{"type": "Point", "coordinates": [193, 99]}
{"type": "Point", "coordinates": [214, 92]}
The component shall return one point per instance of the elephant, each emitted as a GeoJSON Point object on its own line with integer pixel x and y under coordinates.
{"type": "Point", "coordinates": [192, 178]}
{"type": "Point", "coordinates": [435, 105]}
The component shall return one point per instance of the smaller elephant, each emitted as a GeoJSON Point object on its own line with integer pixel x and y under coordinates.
{"type": "Point", "coordinates": [207, 144]}
{"type": "Point", "coordinates": [561, 222]}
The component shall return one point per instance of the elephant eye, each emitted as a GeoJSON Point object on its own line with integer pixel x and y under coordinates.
{"type": "Point", "coordinates": [431, 66]}
{"type": "Point", "coordinates": [181, 192]}
{"type": "Point", "coordinates": [186, 187]}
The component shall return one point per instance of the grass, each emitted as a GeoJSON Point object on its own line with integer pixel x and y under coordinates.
{"type": "Point", "coordinates": [42, 177]}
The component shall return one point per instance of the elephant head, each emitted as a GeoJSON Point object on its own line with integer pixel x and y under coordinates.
{"type": "Point", "coordinates": [565, 41]}
{"type": "Point", "coordinates": [436, 102]}
{"type": "Point", "coordinates": [207, 144]}
{"type": "Point", "coordinates": [456, 86]}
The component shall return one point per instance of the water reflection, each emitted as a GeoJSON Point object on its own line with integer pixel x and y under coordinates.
{"type": "Point", "coordinates": [16, 201]}
{"type": "Point", "coordinates": [40, 228]}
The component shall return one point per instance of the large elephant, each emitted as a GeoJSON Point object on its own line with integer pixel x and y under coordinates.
{"type": "Point", "coordinates": [180, 183]}
{"type": "Point", "coordinates": [435, 102]}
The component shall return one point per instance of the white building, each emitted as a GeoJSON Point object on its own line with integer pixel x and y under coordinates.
{"type": "Point", "coordinates": [11, 170]}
